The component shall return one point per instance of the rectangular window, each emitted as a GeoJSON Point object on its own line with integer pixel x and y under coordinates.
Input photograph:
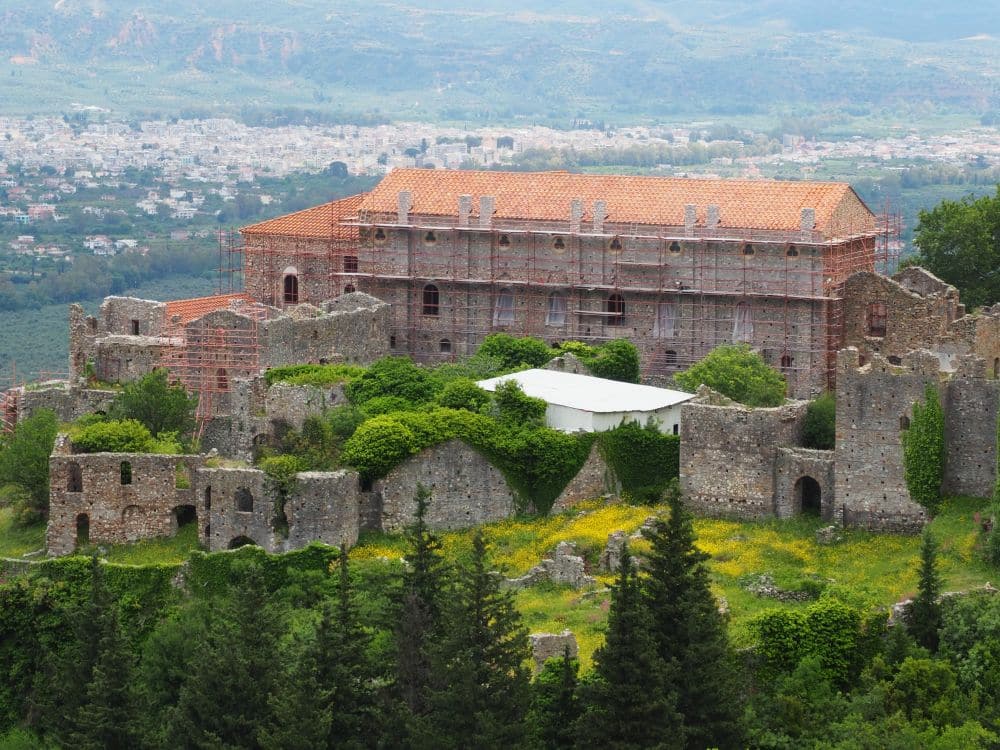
{"type": "Point", "coordinates": [350, 264]}
{"type": "Point", "coordinates": [503, 314]}
{"type": "Point", "coordinates": [665, 326]}
{"type": "Point", "coordinates": [135, 327]}
{"type": "Point", "coordinates": [743, 323]}
{"type": "Point", "coordinates": [878, 316]}
{"type": "Point", "coordinates": [556, 314]}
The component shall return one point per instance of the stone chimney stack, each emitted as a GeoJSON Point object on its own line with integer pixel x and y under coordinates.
{"type": "Point", "coordinates": [807, 223]}
{"type": "Point", "coordinates": [575, 214]}
{"type": "Point", "coordinates": [690, 219]}
{"type": "Point", "coordinates": [712, 221]}
{"type": "Point", "coordinates": [404, 202]}
{"type": "Point", "coordinates": [464, 210]}
{"type": "Point", "coordinates": [487, 207]}
{"type": "Point", "coordinates": [600, 214]}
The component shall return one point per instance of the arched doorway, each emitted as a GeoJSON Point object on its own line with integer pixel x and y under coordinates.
{"type": "Point", "coordinates": [242, 541]}
{"type": "Point", "coordinates": [810, 496]}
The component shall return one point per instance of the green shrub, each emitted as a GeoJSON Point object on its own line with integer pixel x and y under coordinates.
{"type": "Point", "coordinates": [318, 375]}
{"type": "Point", "coordinates": [282, 469]}
{"type": "Point", "coordinates": [378, 445]}
{"type": "Point", "coordinates": [643, 459]}
{"type": "Point", "coordinates": [114, 436]}
{"type": "Point", "coordinates": [344, 420]}
{"type": "Point", "coordinates": [24, 458]}
{"type": "Point", "coordinates": [923, 451]}
{"type": "Point", "coordinates": [739, 373]}
{"type": "Point", "coordinates": [385, 405]}
{"type": "Point", "coordinates": [819, 429]}
{"type": "Point", "coordinates": [615, 360]}
{"type": "Point", "coordinates": [514, 407]}
{"type": "Point", "coordinates": [515, 353]}
{"type": "Point", "coordinates": [161, 407]}
{"type": "Point", "coordinates": [393, 376]}
{"type": "Point", "coordinates": [462, 393]}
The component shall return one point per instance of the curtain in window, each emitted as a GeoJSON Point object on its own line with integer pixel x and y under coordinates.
{"type": "Point", "coordinates": [556, 315]}
{"type": "Point", "coordinates": [665, 326]}
{"type": "Point", "coordinates": [743, 323]}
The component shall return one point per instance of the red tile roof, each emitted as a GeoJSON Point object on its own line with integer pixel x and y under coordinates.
{"type": "Point", "coordinates": [320, 221]}
{"type": "Point", "coordinates": [656, 201]}
{"type": "Point", "coordinates": [192, 309]}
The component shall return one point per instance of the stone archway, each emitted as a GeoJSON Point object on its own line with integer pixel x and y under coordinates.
{"type": "Point", "coordinates": [242, 541]}
{"type": "Point", "coordinates": [809, 496]}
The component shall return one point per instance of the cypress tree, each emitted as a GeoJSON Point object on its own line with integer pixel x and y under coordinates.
{"type": "Point", "coordinates": [924, 615]}
{"type": "Point", "coordinates": [479, 689]}
{"type": "Point", "coordinates": [300, 710]}
{"type": "Point", "coordinates": [224, 701]}
{"type": "Point", "coordinates": [555, 706]}
{"type": "Point", "coordinates": [690, 633]}
{"type": "Point", "coordinates": [629, 703]}
{"type": "Point", "coordinates": [420, 611]}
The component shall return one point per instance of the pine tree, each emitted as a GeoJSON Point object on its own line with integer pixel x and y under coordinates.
{"type": "Point", "coordinates": [479, 688]}
{"type": "Point", "coordinates": [629, 701]}
{"type": "Point", "coordinates": [300, 709]}
{"type": "Point", "coordinates": [924, 615]}
{"type": "Point", "coordinates": [224, 701]}
{"type": "Point", "coordinates": [690, 633]}
{"type": "Point", "coordinates": [555, 706]}
{"type": "Point", "coordinates": [92, 690]}
{"type": "Point", "coordinates": [420, 613]}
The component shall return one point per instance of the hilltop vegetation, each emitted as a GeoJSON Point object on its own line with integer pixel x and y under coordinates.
{"type": "Point", "coordinates": [445, 60]}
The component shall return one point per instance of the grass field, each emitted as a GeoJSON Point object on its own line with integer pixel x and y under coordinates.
{"type": "Point", "coordinates": [870, 570]}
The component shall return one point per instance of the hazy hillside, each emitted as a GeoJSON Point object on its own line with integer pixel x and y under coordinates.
{"type": "Point", "coordinates": [449, 59]}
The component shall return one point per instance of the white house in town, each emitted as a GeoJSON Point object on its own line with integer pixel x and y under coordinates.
{"type": "Point", "coordinates": [581, 402]}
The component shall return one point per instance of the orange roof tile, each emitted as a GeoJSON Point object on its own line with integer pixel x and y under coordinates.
{"type": "Point", "coordinates": [656, 201]}
{"type": "Point", "coordinates": [192, 309]}
{"type": "Point", "coordinates": [320, 221]}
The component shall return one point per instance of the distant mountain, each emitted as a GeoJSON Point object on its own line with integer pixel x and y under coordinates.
{"type": "Point", "coordinates": [445, 59]}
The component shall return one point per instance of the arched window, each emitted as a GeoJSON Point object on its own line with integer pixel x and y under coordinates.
{"type": "Point", "coordinates": [445, 346]}
{"type": "Point", "coordinates": [379, 234]}
{"type": "Point", "coordinates": [615, 245]}
{"type": "Point", "coordinates": [504, 241]}
{"type": "Point", "coordinates": [786, 361]}
{"type": "Point", "coordinates": [665, 325]}
{"type": "Point", "coordinates": [670, 358]}
{"type": "Point", "coordinates": [221, 380]}
{"type": "Point", "coordinates": [555, 315]}
{"type": "Point", "coordinates": [904, 422]}
{"type": "Point", "coordinates": [792, 252]}
{"type": "Point", "coordinates": [743, 322]}
{"type": "Point", "coordinates": [430, 238]}
{"type": "Point", "coordinates": [675, 247]}
{"type": "Point", "coordinates": [878, 315]}
{"type": "Point", "coordinates": [432, 300]}
{"type": "Point", "coordinates": [291, 289]}
{"type": "Point", "coordinates": [244, 500]}
{"type": "Point", "coordinates": [74, 477]}
{"type": "Point", "coordinates": [558, 244]}
{"type": "Point", "coordinates": [614, 306]}
{"type": "Point", "coordinates": [126, 472]}
{"type": "Point", "coordinates": [748, 249]}
{"type": "Point", "coordinates": [350, 264]}
{"type": "Point", "coordinates": [503, 312]}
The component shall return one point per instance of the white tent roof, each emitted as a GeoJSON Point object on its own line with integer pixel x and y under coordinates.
{"type": "Point", "coordinates": [588, 393]}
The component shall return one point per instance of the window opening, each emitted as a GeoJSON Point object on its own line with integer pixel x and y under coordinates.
{"type": "Point", "coordinates": [615, 307]}
{"type": "Point", "coordinates": [74, 478]}
{"type": "Point", "coordinates": [445, 346]}
{"type": "Point", "coordinates": [126, 472]}
{"type": "Point", "coordinates": [350, 264]}
{"type": "Point", "coordinates": [503, 313]}
{"type": "Point", "coordinates": [556, 313]}
{"type": "Point", "coordinates": [792, 251]}
{"type": "Point", "coordinates": [665, 326]}
{"type": "Point", "coordinates": [504, 240]}
{"type": "Point", "coordinates": [135, 327]}
{"type": "Point", "coordinates": [743, 322]}
{"type": "Point", "coordinates": [244, 500]}
{"type": "Point", "coordinates": [291, 289]}
{"type": "Point", "coordinates": [878, 314]}
{"type": "Point", "coordinates": [432, 300]}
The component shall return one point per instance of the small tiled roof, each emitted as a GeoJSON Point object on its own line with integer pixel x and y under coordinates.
{"type": "Point", "coordinates": [657, 201]}
{"type": "Point", "coordinates": [320, 221]}
{"type": "Point", "coordinates": [192, 309]}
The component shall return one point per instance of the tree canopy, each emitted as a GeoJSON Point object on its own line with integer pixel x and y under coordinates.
{"type": "Point", "coordinates": [959, 241]}
{"type": "Point", "coordinates": [739, 373]}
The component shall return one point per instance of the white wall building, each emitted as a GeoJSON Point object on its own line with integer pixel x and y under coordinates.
{"type": "Point", "coordinates": [582, 402]}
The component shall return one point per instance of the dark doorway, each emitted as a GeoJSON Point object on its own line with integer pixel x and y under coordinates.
{"type": "Point", "coordinates": [185, 514]}
{"type": "Point", "coordinates": [291, 289]}
{"type": "Point", "coordinates": [82, 530]}
{"type": "Point", "coordinates": [810, 495]}
{"type": "Point", "coordinates": [242, 541]}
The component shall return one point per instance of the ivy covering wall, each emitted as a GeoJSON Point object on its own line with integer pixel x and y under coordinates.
{"type": "Point", "coordinates": [923, 451]}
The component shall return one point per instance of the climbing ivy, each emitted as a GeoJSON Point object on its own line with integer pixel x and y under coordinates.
{"type": "Point", "coordinates": [923, 451]}
{"type": "Point", "coordinates": [643, 459]}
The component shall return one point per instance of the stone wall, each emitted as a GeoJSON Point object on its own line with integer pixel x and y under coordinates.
{"type": "Point", "coordinates": [325, 507]}
{"type": "Point", "coordinates": [874, 403]}
{"type": "Point", "coordinates": [466, 489]}
{"type": "Point", "coordinates": [792, 467]}
{"type": "Point", "coordinates": [123, 359]}
{"type": "Point", "coordinates": [115, 503]}
{"type": "Point", "coordinates": [728, 454]}
{"type": "Point", "coordinates": [595, 479]}
{"type": "Point", "coordinates": [68, 402]}
{"type": "Point", "coordinates": [970, 406]}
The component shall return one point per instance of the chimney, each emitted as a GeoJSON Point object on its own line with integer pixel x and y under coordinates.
{"type": "Point", "coordinates": [690, 219]}
{"type": "Point", "coordinates": [600, 214]}
{"type": "Point", "coordinates": [487, 207]}
{"type": "Point", "coordinates": [807, 222]}
{"type": "Point", "coordinates": [575, 215]}
{"type": "Point", "coordinates": [404, 202]}
{"type": "Point", "coordinates": [712, 222]}
{"type": "Point", "coordinates": [464, 210]}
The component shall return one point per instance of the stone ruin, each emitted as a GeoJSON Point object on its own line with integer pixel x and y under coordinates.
{"type": "Point", "coordinates": [545, 646]}
{"type": "Point", "coordinates": [564, 568]}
